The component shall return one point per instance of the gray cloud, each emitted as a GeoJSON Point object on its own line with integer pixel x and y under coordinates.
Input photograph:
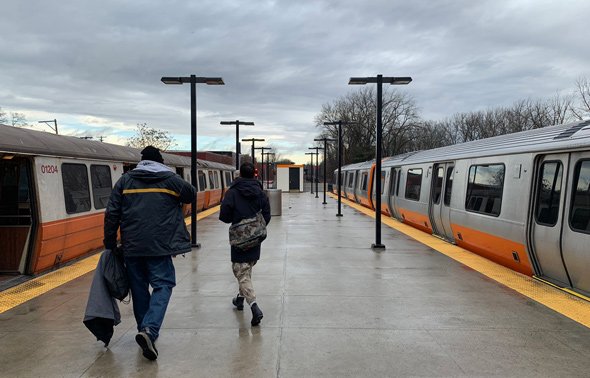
{"type": "Point", "coordinates": [281, 60]}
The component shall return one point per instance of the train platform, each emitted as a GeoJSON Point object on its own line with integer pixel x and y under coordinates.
{"type": "Point", "coordinates": [332, 307]}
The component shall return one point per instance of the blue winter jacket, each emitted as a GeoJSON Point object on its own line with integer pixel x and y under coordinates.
{"type": "Point", "coordinates": [146, 204]}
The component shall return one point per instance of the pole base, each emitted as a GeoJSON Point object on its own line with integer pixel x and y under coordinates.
{"type": "Point", "coordinates": [325, 203]}
{"type": "Point", "coordinates": [377, 246]}
{"type": "Point", "coordinates": [196, 245]}
{"type": "Point", "coordinates": [339, 215]}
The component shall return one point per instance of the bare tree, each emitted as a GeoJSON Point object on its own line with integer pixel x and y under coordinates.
{"type": "Point", "coordinates": [18, 119]}
{"type": "Point", "coordinates": [147, 136]}
{"type": "Point", "coordinates": [3, 118]}
{"type": "Point", "coordinates": [582, 109]}
{"type": "Point", "coordinates": [399, 119]}
{"type": "Point", "coordinates": [14, 119]}
{"type": "Point", "coordinates": [560, 108]}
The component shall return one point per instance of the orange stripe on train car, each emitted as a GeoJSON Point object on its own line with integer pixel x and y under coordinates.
{"type": "Point", "coordinates": [385, 209]}
{"type": "Point", "coordinates": [365, 202]}
{"type": "Point", "coordinates": [64, 226]}
{"type": "Point", "coordinates": [200, 201]}
{"type": "Point", "coordinates": [494, 248]}
{"type": "Point", "coordinates": [70, 238]}
{"type": "Point", "coordinates": [214, 197]}
{"type": "Point", "coordinates": [417, 220]}
{"type": "Point", "coordinates": [47, 262]}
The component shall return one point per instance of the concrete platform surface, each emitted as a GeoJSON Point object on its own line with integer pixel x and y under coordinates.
{"type": "Point", "coordinates": [332, 308]}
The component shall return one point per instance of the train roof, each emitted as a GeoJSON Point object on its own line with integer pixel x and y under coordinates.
{"type": "Point", "coordinates": [362, 165]}
{"type": "Point", "coordinates": [551, 138]}
{"type": "Point", "coordinates": [16, 140]}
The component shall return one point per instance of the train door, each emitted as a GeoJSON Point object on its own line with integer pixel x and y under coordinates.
{"type": "Point", "coordinates": [576, 231]}
{"type": "Point", "coordinates": [373, 185]}
{"type": "Point", "coordinates": [440, 195]}
{"type": "Point", "coordinates": [548, 214]}
{"type": "Point", "coordinates": [394, 177]}
{"type": "Point", "coordinates": [17, 215]}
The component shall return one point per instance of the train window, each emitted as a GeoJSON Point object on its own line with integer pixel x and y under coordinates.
{"type": "Point", "coordinates": [202, 181]}
{"type": "Point", "coordinates": [217, 182]}
{"type": "Point", "coordinates": [549, 193]}
{"type": "Point", "coordinates": [364, 180]}
{"type": "Point", "coordinates": [484, 189]}
{"type": "Point", "coordinates": [211, 181]}
{"type": "Point", "coordinates": [100, 175]}
{"type": "Point", "coordinates": [382, 182]}
{"type": "Point", "coordinates": [580, 207]}
{"type": "Point", "coordinates": [350, 179]}
{"type": "Point", "coordinates": [180, 171]}
{"type": "Point", "coordinates": [399, 178]}
{"type": "Point", "coordinates": [414, 184]}
{"type": "Point", "coordinates": [76, 191]}
{"type": "Point", "coordinates": [392, 182]}
{"type": "Point", "coordinates": [438, 182]}
{"type": "Point", "coordinates": [228, 179]}
{"type": "Point", "coordinates": [449, 186]}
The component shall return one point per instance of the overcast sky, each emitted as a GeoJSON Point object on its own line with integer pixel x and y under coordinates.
{"type": "Point", "coordinates": [96, 65]}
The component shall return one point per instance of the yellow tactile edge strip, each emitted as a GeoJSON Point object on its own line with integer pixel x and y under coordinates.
{"type": "Point", "coordinates": [575, 307]}
{"type": "Point", "coordinates": [26, 291]}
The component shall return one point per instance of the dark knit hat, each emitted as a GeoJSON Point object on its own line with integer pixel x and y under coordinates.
{"type": "Point", "coordinates": [247, 170]}
{"type": "Point", "coordinates": [151, 153]}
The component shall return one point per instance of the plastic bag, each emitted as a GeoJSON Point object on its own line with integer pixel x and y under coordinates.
{"type": "Point", "coordinates": [115, 275]}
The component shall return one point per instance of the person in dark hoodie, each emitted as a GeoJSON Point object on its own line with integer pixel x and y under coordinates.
{"type": "Point", "coordinates": [244, 199]}
{"type": "Point", "coordinates": [146, 204]}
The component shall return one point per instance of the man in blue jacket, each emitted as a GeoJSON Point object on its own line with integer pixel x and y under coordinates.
{"type": "Point", "coordinates": [244, 199]}
{"type": "Point", "coordinates": [146, 204]}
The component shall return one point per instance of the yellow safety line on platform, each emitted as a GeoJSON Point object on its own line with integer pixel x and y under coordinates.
{"type": "Point", "coordinates": [26, 291]}
{"type": "Point", "coordinates": [31, 289]}
{"type": "Point", "coordinates": [575, 307]}
{"type": "Point", "coordinates": [202, 214]}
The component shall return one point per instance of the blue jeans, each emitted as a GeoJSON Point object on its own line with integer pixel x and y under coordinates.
{"type": "Point", "coordinates": [149, 309]}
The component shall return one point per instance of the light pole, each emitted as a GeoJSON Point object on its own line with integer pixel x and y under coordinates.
{"type": "Point", "coordinates": [317, 163]}
{"type": "Point", "coordinates": [379, 79]}
{"type": "Point", "coordinates": [339, 123]}
{"type": "Point", "coordinates": [311, 169]}
{"type": "Point", "coordinates": [193, 80]}
{"type": "Point", "coordinates": [238, 149]}
{"type": "Point", "coordinates": [325, 140]}
{"type": "Point", "coordinates": [262, 163]}
{"type": "Point", "coordinates": [267, 165]}
{"type": "Point", "coordinates": [54, 127]}
{"type": "Point", "coordinates": [253, 140]}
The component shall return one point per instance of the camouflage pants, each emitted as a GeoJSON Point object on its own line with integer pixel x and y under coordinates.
{"type": "Point", "coordinates": [243, 272]}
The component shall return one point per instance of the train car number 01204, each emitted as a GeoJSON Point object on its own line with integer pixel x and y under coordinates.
{"type": "Point", "coordinates": [49, 169]}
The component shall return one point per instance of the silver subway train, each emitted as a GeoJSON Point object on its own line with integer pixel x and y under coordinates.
{"type": "Point", "coordinates": [521, 200]}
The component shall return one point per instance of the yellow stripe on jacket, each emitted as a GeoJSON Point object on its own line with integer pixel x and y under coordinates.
{"type": "Point", "coordinates": [151, 190]}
